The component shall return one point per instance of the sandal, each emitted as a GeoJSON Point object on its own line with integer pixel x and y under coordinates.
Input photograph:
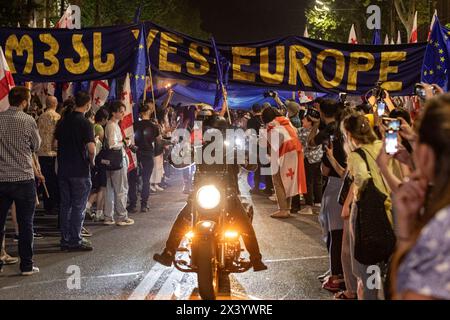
{"type": "Point", "coordinates": [341, 295]}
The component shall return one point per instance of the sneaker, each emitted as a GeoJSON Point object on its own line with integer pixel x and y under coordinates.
{"type": "Point", "coordinates": [16, 238]}
{"type": "Point", "coordinates": [158, 188]}
{"type": "Point", "coordinates": [90, 213]}
{"type": "Point", "coordinates": [31, 272]}
{"type": "Point", "coordinates": [99, 216]}
{"type": "Point", "coordinates": [273, 198]}
{"type": "Point", "coordinates": [85, 232]}
{"type": "Point", "coordinates": [165, 258]}
{"type": "Point", "coordinates": [7, 259]}
{"type": "Point", "coordinates": [38, 236]}
{"type": "Point", "coordinates": [306, 210]}
{"type": "Point", "coordinates": [145, 208]}
{"type": "Point", "coordinates": [152, 188]}
{"type": "Point", "coordinates": [84, 246]}
{"type": "Point", "coordinates": [132, 209]}
{"type": "Point", "coordinates": [109, 222]}
{"type": "Point", "coordinates": [281, 214]}
{"type": "Point", "coordinates": [126, 222]}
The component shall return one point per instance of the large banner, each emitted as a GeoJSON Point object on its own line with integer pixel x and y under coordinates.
{"type": "Point", "coordinates": [61, 55]}
{"type": "Point", "coordinates": [290, 63]}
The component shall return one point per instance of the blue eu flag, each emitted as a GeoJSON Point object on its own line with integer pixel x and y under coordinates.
{"type": "Point", "coordinates": [140, 65]}
{"type": "Point", "coordinates": [376, 40]}
{"type": "Point", "coordinates": [112, 90]}
{"type": "Point", "coordinates": [435, 68]}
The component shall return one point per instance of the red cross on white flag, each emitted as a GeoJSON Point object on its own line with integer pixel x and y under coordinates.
{"type": "Point", "coordinates": [127, 123]}
{"type": "Point", "coordinates": [6, 82]}
{"type": "Point", "coordinates": [99, 93]}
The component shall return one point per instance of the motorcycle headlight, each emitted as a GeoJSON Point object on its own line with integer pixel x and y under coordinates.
{"type": "Point", "coordinates": [208, 197]}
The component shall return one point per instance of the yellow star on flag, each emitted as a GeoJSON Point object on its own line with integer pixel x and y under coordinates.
{"type": "Point", "coordinates": [441, 51]}
{"type": "Point", "coordinates": [143, 77]}
{"type": "Point", "coordinates": [425, 72]}
{"type": "Point", "coordinates": [442, 59]}
{"type": "Point", "coordinates": [141, 46]}
{"type": "Point", "coordinates": [136, 77]}
{"type": "Point", "coordinates": [436, 44]}
{"type": "Point", "coordinates": [431, 72]}
{"type": "Point", "coordinates": [439, 67]}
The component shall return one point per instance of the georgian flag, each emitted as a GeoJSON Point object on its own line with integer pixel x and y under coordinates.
{"type": "Point", "coordinates": [413, 37]}
{"type": "Point", "coordinates": [6, 82]}
{"type": "Point", "coordinates": [352, 36]}
{"type": "Point", "coordinates": [66, 21]}
{"type": "Point", "coordinates": [126, 125]}
{"type": "Point", "coordinates": [290, 155]}
{"type": "Point", "coordinates": [99, 92]}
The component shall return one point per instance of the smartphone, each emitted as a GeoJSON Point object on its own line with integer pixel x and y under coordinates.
{"type": "Point", "coordinates": [394, 125]}
{"type": "Point", "coordinates": [391, 142]}
{"type": "Point", "coordinates": [419, 90]}
{"type": "Point", "coordinates": [381, 107]}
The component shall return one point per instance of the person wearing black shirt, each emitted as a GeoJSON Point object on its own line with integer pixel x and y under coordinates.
{"type": "Point", "coordinates": [255, 123]}
{"type": "Point", "coordinates": [145, 133]}
{"type": "Point", "coordinates": [76, 153]}
{"type": "Point", "coordinates": [330, 212]}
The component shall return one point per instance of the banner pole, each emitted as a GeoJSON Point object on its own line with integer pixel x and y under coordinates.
{"type": "Point", "coordinates": [151, 86]}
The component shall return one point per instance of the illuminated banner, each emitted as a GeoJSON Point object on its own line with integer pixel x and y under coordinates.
{"type": "Point", "coordinates": [55, 55]}
{"type": "Point", "coordinates": [290, 63]}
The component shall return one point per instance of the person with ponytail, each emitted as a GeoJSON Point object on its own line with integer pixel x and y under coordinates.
{"type": "Point", "coordinates": [358, 134]}
{"type": "Point", "coordinates": [421, 265]}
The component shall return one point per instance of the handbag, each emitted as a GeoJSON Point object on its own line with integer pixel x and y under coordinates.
{"type": "Point", "coordinates": [374, 236]}
{"type": "Point", "coordinates": [110, 159]}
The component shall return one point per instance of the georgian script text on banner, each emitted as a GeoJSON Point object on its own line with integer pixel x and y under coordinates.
{"type": "Point", "coordinates": [55, 55]}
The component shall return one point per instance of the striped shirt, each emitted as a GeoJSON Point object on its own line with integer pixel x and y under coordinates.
{"type": "Point", "coordinates": [19, 138]}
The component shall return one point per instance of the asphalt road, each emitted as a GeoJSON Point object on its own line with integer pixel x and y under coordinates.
{"type": "Point", "coordinates": [121, 265]}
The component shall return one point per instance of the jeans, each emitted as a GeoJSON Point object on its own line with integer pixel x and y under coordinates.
{"type": "Point", "coordinates": [74, 193]}
{"type": "Point", "coordinates": [145, 165]}
{"type": "Point", "coordinates": [23, 194]}
{"type": "Point", "coordinates": [313, 183]}
{"type": "Point", "coordinates": [51, 180]}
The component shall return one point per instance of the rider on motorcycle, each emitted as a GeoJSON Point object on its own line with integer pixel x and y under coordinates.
{"type": "Point", "coordinates": [183, 221]}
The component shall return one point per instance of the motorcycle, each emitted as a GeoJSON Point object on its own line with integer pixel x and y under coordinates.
{"type": "Point", "coordinates": [212, 248]}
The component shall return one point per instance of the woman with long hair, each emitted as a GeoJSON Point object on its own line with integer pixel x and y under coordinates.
{"type": "Point", "coordinates": [358, 134]}
{"type": "Point", "coordinates": [421, 264]}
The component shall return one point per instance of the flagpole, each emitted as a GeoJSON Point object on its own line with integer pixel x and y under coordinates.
{"type": "Point", "coordinates": [151, 87]}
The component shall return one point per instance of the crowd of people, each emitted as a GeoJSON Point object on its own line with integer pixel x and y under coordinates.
{"type": "Point", "coordinates": [385, 215]}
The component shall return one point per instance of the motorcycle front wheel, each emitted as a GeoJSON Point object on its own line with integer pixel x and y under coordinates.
{"type": "Point", "coordinates": [207, 272]}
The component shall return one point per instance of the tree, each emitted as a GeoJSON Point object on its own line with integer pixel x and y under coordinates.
{"type": "Point", "coordinates": [335, 23]}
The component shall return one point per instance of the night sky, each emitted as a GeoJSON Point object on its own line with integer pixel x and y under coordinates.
{"type": "Point", "coordinates": [252, 20]}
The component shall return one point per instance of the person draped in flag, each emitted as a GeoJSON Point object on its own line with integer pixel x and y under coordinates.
{"type": "Point", "coordinates": [288, 172]}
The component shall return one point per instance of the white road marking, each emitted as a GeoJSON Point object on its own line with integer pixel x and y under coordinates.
{"type": "Point", "coordinates": [171, 286]}
{"type": "Point", "coordinates": [142, 290]}
{"type": "Point", "coordinates": [296, 259]}
{"type": "Point", "coordinates": [64, 280]}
